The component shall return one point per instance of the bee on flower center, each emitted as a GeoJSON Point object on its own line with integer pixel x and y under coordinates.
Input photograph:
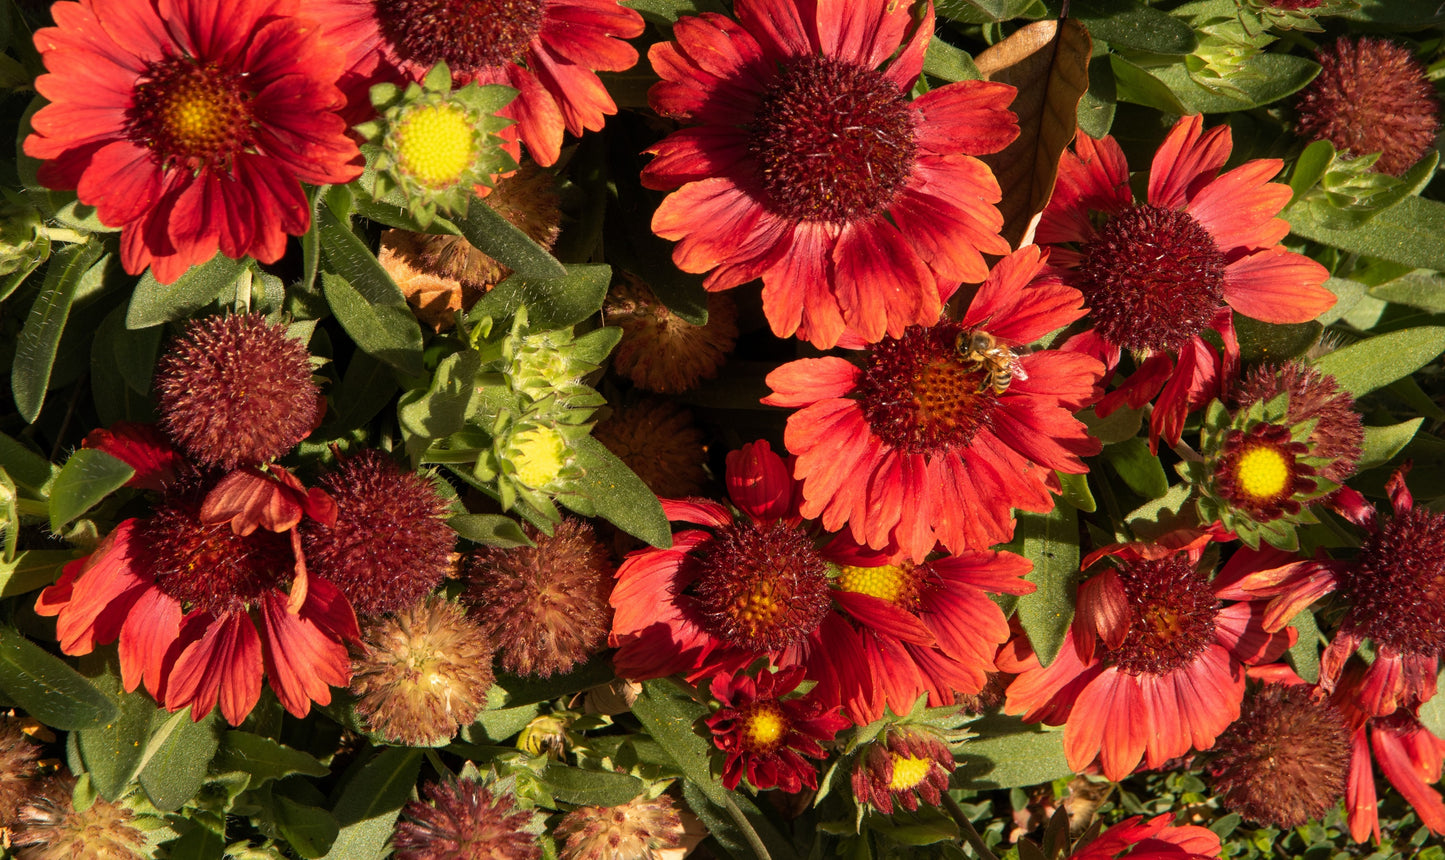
{"type": "Point", "coordinates": [999, 363]}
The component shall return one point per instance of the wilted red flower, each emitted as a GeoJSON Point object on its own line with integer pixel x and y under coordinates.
{"type": "Point", "coordinates": [769, 737]}
{"type": "Point", "coordinates": [547, 50]}
{"type": "Point", "coordinates": [1155, 839]}
{"type": "Point", "coordinates": [659, 350]}
{"type": "Point", "coordinates": [233, 391]}
{"type": "Point", "coordinates": [1153, 663]}
{"type": "Point", "coordinates": [643, 828]}
{"type": "Point", "coordinates": [811, 169]}
{"type": "Point", "coordinates": [467, 819]}
{"type": "Point", "coordinates": [390, 543]}
{"type": "Point", "coordinates": [924, 445]}
{"type": "Point", "coordinates": [184, 596]}
{"type": "Point", "coordinates": [905, 765]}
{"type": "Point", "coordinates": [1156, 274]}
{"type": "Point", "coordinates": [189, 130]}
{"type": "Point", "coordinates": [875, 632]}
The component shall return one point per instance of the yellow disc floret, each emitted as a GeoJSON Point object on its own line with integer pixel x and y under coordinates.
{"type": "Point", "coordinates": [539, 455]}
{"type": "Point", "coordinates": [765, 727]}
{"type": "Point", "coordinates": [892, 583]}
{"type": "Point", "coordinates": [908, 772]}
{"type": "Point", "coordinates": [436, 144]}
{"type": "Point", "coordinates": [1263, 472]}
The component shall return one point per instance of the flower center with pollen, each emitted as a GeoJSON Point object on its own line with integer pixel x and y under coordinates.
{"type": "Point", "coordinates": [893, 583]}
{"type": "Point", "coordinates": [919, 395]}
{"type": "Point", "coordinates": [761, 586]}
{"type": "Point", "coordinates": [764, 726]}
{"type": "Point", "coordinates": [1259, 471]}
{"type": "Point", "coordinates": [470, 35]}
{"type": "Point", "coordinates": [1397, 584]}
{"type": "Point", "coordinates": [1172, 612]}
{"type": "Point", "coordinates": [833, 141]}
{"type": "Point", "coordinates": [209, 567]}
{"type": "Point", "coordinates": [190, 113]}
{"type": "Point", "coordinates": [435, 144]}
{"type": "Point", "coordinates": [1152, 278]}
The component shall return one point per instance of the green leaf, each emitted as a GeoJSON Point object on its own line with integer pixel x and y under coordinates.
{"type": "Point", "coordinates": [1134, 84]}
{"type": "Point", "coordinates": [1096, 108]}
{"type": "Point", "coordinates": [386, 332]}
{"type": "Point", "coordinates": [619, 496]}
{"type": "Point", "coordinates": [1076, 491]}
{"type": "Point", "coordinates": [112, 751]}
{"type": "Point", "coordinates": [948, 63]}
{"type": "Point", "coordinates": [354, 262]}
{"type": "Point", "coordinates": [1051, 542]}
{"type": "Point", "coordinates": [47, 688]}
{"type": "Point", "coordinates": [198, 843]}
{"type": "Point", "coordinates": [551, 303]}
{"type": "Point", "coordinates": [1130, 24]}
{"type": "Point", "coordinates": [369, 804]}
{"type": "Point", "coordinates": [1369, 364]}
{"type": "Point", "coordinates": [1392, 14]}
{"type": "Point", "coordinates": [1304, 656]}
{"type": "Point", "coordinates": [593, 673]}
{"type": "Point", "coordinates": [489, 530]}
{"type": "Point", "coordinates": [30, 471]}
{"type": "Point", "coordinates": [498, 724]}
{"type": "Point", "coordinates": [1432, 712]}
{"type": "Point", "coordinates": [310, 831]}
{"type": "Point", "coordinates": [1420, 289]}
{"type": "Point", "coordinates": [1383, 443]}
{"type": "Point", "coordinates": [154, 303]}
{"type": "Point", "coordinates": [1261, 79]}
{"type": "Point", "coordinates": [263, 758]}
{"type": "Point", "coordinates": [1260, 341]}
{"type": "Point", "coordinates": [32, 569]}
{"type": "Point", "coordinates": [1008, 753]}
{"type": "Point", "coordinates": [499, 238]}
{"type": "Point", "coordinates": [36, 345]}
{"type": "Point", "coordinates": [366, 388]}
{"type": "Point", "coordinates": [1140, 469]}
{"type": "Point", "coordinates": [177, 757]}
{"type": "Point", "coordinates": [87, 477]}
{"type": "Point", "coordinates": [1408, 232]}
{"type": "Point", "coordinates": [590, 787]}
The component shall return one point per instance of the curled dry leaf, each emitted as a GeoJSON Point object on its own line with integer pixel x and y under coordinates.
{"type": "Point", "coordinates": [1048, 61]}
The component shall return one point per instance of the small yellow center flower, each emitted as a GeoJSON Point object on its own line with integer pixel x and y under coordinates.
{"type": "Point", "coordinates": [908, 772]}
{"type": "Point", "coordinates": [765, 727]}
{"type": "Point", "coordinates": [539, 455]}
{"type": "Point", "coordinates": [436, 144]}
{"type": "Point", "coordinates": [892, 583]}
{"type": "Point", "coordinates": [1263, 472]}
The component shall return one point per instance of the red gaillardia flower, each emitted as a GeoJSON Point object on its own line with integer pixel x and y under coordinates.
{"type": "Point", "coordinates": [936, 438]}
{"type": "Point", "coordinates": [1155, 839]}
{"type": "Point", "coordinates": [1158, 273]}
{"type": "Point", "coordinates": [905, 765]}
{"type": "Point", "coordinates": [875, 632]}
{"type": "Point", "coordinates": [1153, 664]}
{"type": "Point", "coordinates": [190, 130]}
{"type": "Point", "coordinates": [768, 737]}
{"type": "Point", "coordinates": [810, 168]}
{"type": "Point", "coordinates": [1371, 95]}
{"type": "Point", "coordinates": [547, 50]}
{"type": "Point", "coordinates": [1409, 755]}
{"type": "Point", "coordinates": [1392, 591]}
{"type": "Point", "coordinates": [1312, 396]}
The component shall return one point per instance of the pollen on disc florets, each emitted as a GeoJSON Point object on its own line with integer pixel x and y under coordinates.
{"type": "Point", "coordinates": [435, 144]}
{"type": "Point", "coordinates": [905, 766]}
{"type": "Point", "coordinates": [236, 391]}
{"type": "Point", "coordinates": [1152, 278]}
{"type": "Point", "coordinates": [390, 543]}
{"type": "Point", "coordinates": [1313, 396]}
{"type": "Point", "coordinates": [545, 605]}
{"type": "Point", "coordinates": [1396, 585]}
{"type": "Point", "coordinates": [1284, 761]}
{"type": "Point", "coordinates": [833, 141]}
{"type": "Point", "coordinates": [421, 674]}
{"type": "Point", "coordinates": [761, 586]}
{"type": "Point", "coordinates": [897, 584]}
{"type": "Point", "coordinates": [641, 829]}
{"type": "Point", "coordinates": [1260, 471]}
{"type": "Point", "coordinates": [920, 395]}
{"type": "Point", "coordinates": [190, 114]}
{"type": "Point", "coordinates": [469, 37]}
{"type": "Point", "coordinates": [209, 566]}
{"type": "Point", "coordinates": [1172, 613]}
{"type": "Point", "coordinates": [1371, 95]}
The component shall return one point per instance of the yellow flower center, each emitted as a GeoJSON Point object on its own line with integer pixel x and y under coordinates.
{"type": "Point", "coordinates": [908, 772]}
{"type": "Point", "coordinates": [1263, 472]}
{"type": "Point", "coordinates": [765, 727]}
{"type": "Point", "coordinates": [436, 144]}
{"type": "Point", "coordinates": [539, 455]}
{"type": "Point", "coordinates": [892, 583]}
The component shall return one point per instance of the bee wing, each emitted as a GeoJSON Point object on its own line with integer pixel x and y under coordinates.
{"type": "Point", "coordinates": [1016, 367]}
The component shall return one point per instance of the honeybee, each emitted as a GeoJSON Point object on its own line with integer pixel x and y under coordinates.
{"type": "Point", "coordinates": [1000, 364]}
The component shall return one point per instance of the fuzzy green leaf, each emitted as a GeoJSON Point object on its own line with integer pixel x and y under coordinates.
{"type": "Point", "coordinates": [39, 339]}
{"type": "Point", "coordinates": [177, 757]}
{"type": "Point", "coordinates": [590, 787]}
{"type": "Point", "coordinates": [1305, 655]}
{"type": "Point", "coordinates": [47, 688]}
{"type": "Point", "coordinates": [619, 496]}
{"type": "Point", "coordinates": [1383, 443]}
{"type": "Point", "coordinates": [30, 471]}
{"type": "Point", "coordinates": [1051, 542]}
{"type": "Point", "coordinates": [1131, 24]}
{"type": "Point", "coordinates": [1009, 753]}
{"type": "Point", "coordinates": [154, 303]}
{"type": "Point", "coordinates": [489, 530]}
{"type": "Point", "coordinates": [369, 804]}
{"type": "Point", "coordinates": [263, 758]}
{"type": "Point", "coordinates": [1362, 367]}
{"type": "Point", "coordinates": [1408, 232]}
{"type": "Point", "coordinates": [32, 569]}
{"type": "Point", "coordinates": [386, 332]}
{"type": "Point", "coordinates": [308, 830]}
{"type": "Point", "coordinates": [87, 477]}
{"type": "Point", "coordinates": [1261, 79]}
{"type": "Point", "coordinates": [499, 238]}
{"type": "Point", "coordinates": [1140, 469]}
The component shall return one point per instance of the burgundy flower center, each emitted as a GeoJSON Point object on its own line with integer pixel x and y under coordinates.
{"type": "Point", "coordinates": [471, 35]}
{"type": "Point", "coordinates": [1152, 278]}
{"type": "Point", "coordinates": [208, 567]}
{"type": "Point", "coordinates": [833, 141]}
{"type": "Point", "coordinates": [764, 726]}
{"type": "Point", "coordinates": [761, 586]}
{"type": "Point", "coordinates": [1172, 616]}
{"type": "Point", "coordinates": [1260, 472]}
{"type": "Point", "coordinates": [1396, 586]}
{"type": "Point", "coordinates": [919, 394]}
{"type": "Point", "coordinates": [190, 113]}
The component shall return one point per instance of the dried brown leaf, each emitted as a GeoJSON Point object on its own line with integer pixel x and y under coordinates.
{"type": "Point", "coordinates": [1048, 62]}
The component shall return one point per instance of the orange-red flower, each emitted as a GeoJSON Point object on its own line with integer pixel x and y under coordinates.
{"type": "Point", "coordinates": [810, 168]}
{"type": "Point", "coordinates": [924, 445]}
{"type": "Point", "coordinates": [768, 737]}
{"type": "Point", "coordinates": [1152, 666]}
{"type": "Point", "coordinates": [190, 126]}
{"type": "Point", "coordinates": [1156, 274]}
{"type": "Point", "coordinates": [1155, 839]}
{"type": "Point", "coordinates": [547, 50]}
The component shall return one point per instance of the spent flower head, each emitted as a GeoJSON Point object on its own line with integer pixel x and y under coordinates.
{"type": "Point", "coordinates": [640, 829]}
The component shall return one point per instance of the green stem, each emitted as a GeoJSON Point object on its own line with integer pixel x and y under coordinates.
{"type": "Point", "coordinates": [970, 835]}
